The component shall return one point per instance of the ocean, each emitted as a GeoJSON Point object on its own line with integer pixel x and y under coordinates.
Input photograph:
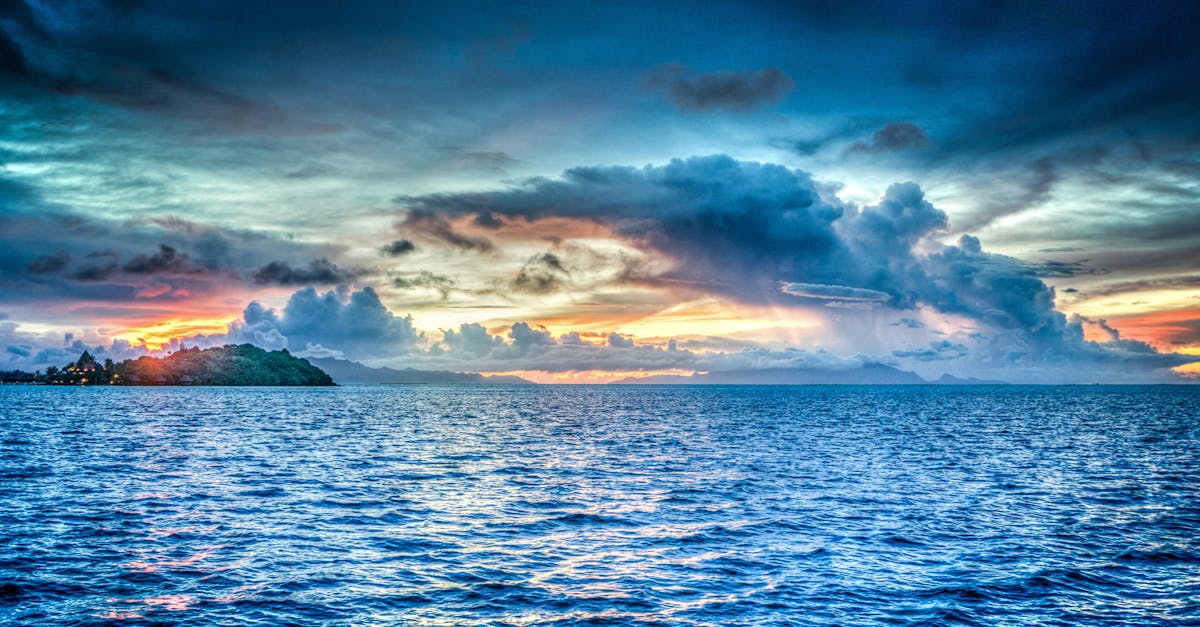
{"type": "Point", "coordinates": [600, 505]}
